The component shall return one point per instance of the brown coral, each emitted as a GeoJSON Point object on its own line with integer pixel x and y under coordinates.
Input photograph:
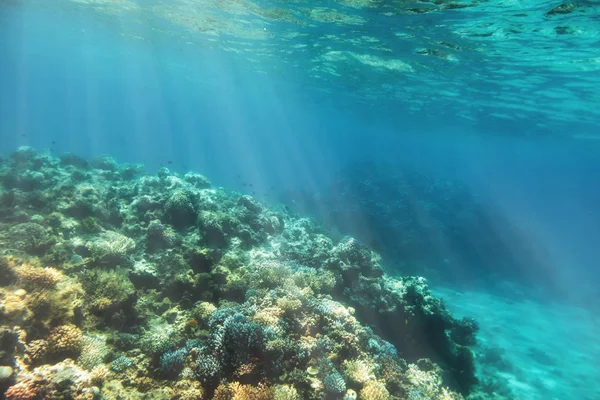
{"type": "Point", "coordinates": [13, 307]}
{"type": "Point", "coordinates": [39, 278]}
{"type": "Point", "coordinates": [65, 339]}
{"type": "Point", "coordinates": [25, 390]}
{"type": "Point", "coordinates": [189, 390]}
{"type": "Point", "coordinates": [99, 374]}
{"type": "Point", "coordinates": [237, 391]}
{"type": "Point", "coordinates": [37, 350]}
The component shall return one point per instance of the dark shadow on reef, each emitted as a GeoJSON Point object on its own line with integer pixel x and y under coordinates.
{"type": "Point", "coordinates": [424, 225]}
{"type": "Point", "coordinates": [119, 284]}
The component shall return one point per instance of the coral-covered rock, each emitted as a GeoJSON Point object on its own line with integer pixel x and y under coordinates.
{"type": "Point", "coordinates": [180, 210]}
{"type": "Point", "coordinates": [29, 237]}
{"type": "Point", "coordinates": [38, 278]}
{"type": "Point", "coordinates": [162, 287]}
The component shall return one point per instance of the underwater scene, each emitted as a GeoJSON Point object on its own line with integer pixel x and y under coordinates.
{"type": "Point", "coordinates": [299, 199]}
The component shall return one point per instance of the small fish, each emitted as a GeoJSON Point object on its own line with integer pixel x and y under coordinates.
{"type": "Point", "coordinates": [53, 142]}
{"type": "Point", "coordinates": [23, 135]}
{"type": "Point", "coordinates": [244, 184]}
{"type": "Point", "coordinates": [170, 162]}
{"type": "Point", "coordinates": [251, 185]}
{"type": "Point", "coordinates": [253, 192]}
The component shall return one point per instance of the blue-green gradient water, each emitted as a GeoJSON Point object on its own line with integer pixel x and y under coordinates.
{"type": "Point", "coordinates": [461, 139]}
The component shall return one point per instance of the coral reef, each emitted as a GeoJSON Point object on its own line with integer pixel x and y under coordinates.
{"type": "Point", "coordinates": [421, 223]}
{"type": "Point", "coordinates": [123, 285]}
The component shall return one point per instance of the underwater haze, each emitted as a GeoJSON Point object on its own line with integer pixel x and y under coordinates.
{"type": "Point", "coordinates": [268, 199]}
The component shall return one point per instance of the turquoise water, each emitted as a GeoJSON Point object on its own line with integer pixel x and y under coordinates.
{"type": "Point", "coordinates": [458, 139]}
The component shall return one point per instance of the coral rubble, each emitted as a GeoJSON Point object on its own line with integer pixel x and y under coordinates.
{"type": "Point", "coordinates": [119, 284]}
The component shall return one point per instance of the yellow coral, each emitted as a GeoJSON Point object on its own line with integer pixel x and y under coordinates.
{"type": "Point", "coordinates": [13, 307]}
{"type": "Point", "coordinates": [145, 384]}
{"type": "Point", "coordinates": [56, 307]}
{"type": "Point", "coordinates": [268, 316]}
{"type": "Point", "coordinates": [374, 390]}
{"type": "Point", "coordinates": [204, 310]}
{"type": "Point", "coordinates": [285, 392]}
{"type": "Point", "coordinates": [237, 391]}
{"type": "Point", "coordinates": [99, 374]}
{"type": "Point", "coordinates": [358, 371]}
{"type": "Point", "coordinates": [102, 304]}
{"type": "Point", "coordinates": [288, 304]}
{"type": "Point", "coordinates": [188, 390]}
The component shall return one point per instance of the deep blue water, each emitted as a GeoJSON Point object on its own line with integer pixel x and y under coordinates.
{"type": "Point", "coordinates": [521, 134]}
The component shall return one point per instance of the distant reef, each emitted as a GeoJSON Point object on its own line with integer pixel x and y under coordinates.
{"type": "Point", "coordinates": [422, 224]}
{"type": "Point", "coordinates": [116, 284]}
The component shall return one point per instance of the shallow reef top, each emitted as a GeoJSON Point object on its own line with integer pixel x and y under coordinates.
{"type": "Point", "coordinates": [120, 284]}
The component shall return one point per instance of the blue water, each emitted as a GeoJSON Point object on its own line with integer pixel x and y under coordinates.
{"type": "Point", "coordinates": [507, 106]}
